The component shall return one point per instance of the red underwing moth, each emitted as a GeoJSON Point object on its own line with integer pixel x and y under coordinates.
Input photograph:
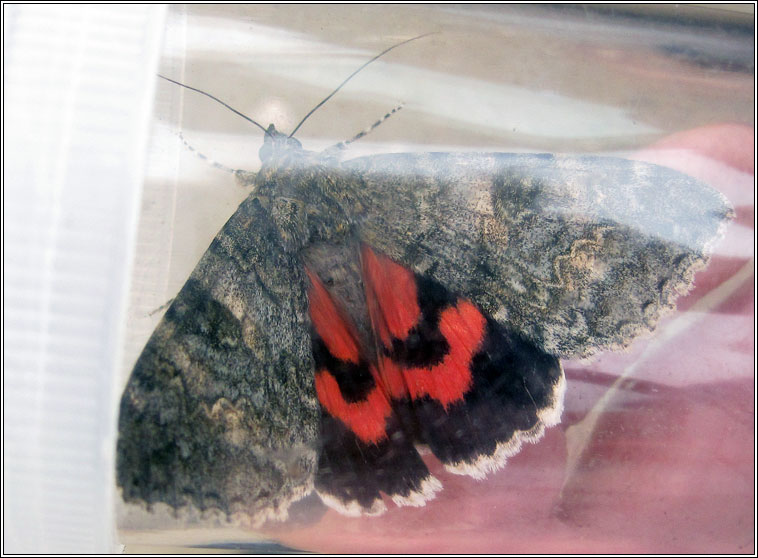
{"type": "Point", "coordinates": [352, 311]}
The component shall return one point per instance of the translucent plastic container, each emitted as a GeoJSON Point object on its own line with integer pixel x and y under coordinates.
{"type": "Point", "coordinates": [655, 448]}
{"type": "Point", "coordinates": [653, 453]}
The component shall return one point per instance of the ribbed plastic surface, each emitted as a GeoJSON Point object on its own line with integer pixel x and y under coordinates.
{"type": "Point", "coordinates": [79, 84]}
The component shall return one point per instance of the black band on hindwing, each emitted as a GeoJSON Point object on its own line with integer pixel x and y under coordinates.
{"type": "Point", "coordinates": [512, 381]}
{"type": "Point", "coordinates": [425, 346]}
{"type": "Point", "coordinates": [354, 380]}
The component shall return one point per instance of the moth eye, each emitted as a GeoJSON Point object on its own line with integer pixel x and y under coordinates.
{"type": "Point", "coordinates": [329, 282]}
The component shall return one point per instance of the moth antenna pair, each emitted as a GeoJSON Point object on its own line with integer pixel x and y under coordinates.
{"type": "Point", "coordinates": [340, 145]}
{"type": "Point", "coordinates": [337, 147]}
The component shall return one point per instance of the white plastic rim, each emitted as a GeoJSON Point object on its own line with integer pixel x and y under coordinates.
{"type": "Point", "coordinates": [78, 83]}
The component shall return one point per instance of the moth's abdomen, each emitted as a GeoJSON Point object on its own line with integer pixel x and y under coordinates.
{"type": "Point", "coordinates": [365, 451]}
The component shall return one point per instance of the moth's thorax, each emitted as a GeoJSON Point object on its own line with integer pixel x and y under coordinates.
{"type": "Point", "coordinates": [301, 187]}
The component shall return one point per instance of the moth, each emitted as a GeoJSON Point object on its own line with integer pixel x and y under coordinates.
{"type": "Point", "coordinates": [353, 311]}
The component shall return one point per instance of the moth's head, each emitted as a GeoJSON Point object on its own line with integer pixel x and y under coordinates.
{"type": "Point", "coordinates": [277, 145]}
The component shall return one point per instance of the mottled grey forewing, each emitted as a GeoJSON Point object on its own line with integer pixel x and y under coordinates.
{"type": "Point", "coordinates": [220, 411]}
{"type": "Point", "coordinates": [579, 253]}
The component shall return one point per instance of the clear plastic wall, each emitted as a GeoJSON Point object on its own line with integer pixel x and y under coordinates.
{"type": "Point", "coordinates": [655, 448]}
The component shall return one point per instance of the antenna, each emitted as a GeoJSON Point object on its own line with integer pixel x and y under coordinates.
{"type": "Point", "coordinates": [235, 111]}
{"type": "Point", "coordinates": [314, 109]}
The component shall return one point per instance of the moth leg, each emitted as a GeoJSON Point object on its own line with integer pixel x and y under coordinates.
{"type": "Point", "coordinates": [334, 149]}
